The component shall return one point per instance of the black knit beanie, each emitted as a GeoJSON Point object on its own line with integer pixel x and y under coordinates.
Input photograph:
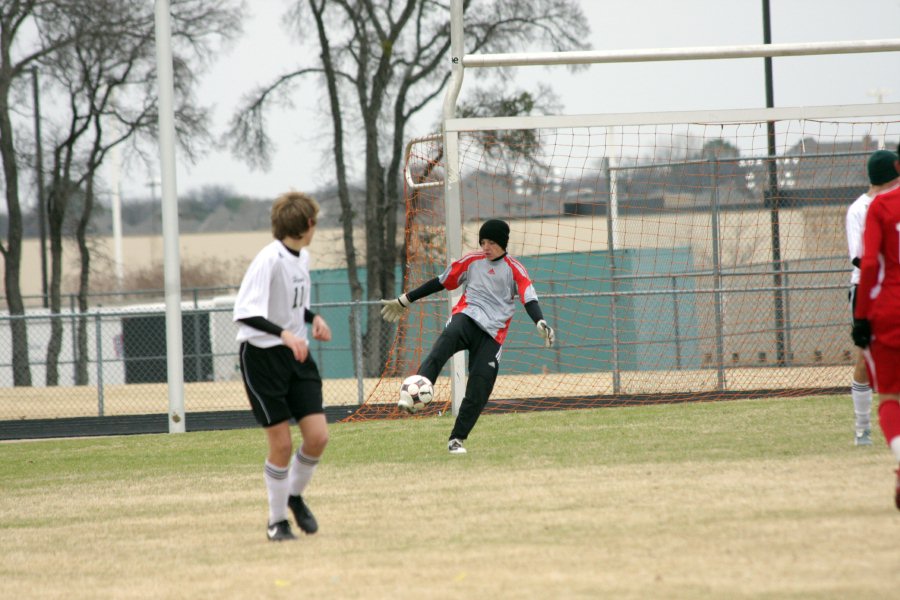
{"type": "Point", "coordinates": [495, 230]}
{"type": "Point", "coordinates": [881, 167]}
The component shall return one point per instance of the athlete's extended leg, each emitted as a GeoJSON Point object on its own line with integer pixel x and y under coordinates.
{"type": "Point", "coordinates": [451, 341]}
{"type": "Point", "coordinates": [484, 363]}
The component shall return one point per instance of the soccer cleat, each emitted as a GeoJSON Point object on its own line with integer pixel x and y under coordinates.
{"type": "Point", "coordinates": [455, 446]}
{"type": "Point", "coordinates": [305, 519]}
{"type": "Point", "coordinates": [863, 437]}
{"type": "Point", "coordinates": [897, 491]}
{"type": "Point", "coordinates": [280, 532]}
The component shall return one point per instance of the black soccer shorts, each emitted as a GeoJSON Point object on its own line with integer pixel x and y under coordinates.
{"type": "Point", "coordinates": [278, 386]}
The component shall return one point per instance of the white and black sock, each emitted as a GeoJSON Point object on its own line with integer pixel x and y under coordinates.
{"type": "Point", "coordinates": [862, 404]}
{"type": "Point", "coordinates": [302, 469]}
{"type": "Point", "coordinates": [277, 487]}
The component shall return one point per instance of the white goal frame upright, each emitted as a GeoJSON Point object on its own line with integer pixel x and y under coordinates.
{"type": "Point", "coordinates": [452, 126]}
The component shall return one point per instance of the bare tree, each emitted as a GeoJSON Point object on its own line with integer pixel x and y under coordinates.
{"type": "Point", "coordinates": [108, 81]}
{"type": "Point", "coordinates": [20, 50]}
{"type": "Point", "coordinates": [388, 61]}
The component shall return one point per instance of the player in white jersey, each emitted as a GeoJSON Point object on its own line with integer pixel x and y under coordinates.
{"type": "Point", "coordinates": [480, 320]}
{"type": "Point", "coordinates": [880, 169]}
{"type": "Point", "coordinates": [280, 377]}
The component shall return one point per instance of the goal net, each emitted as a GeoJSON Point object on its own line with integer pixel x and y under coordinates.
{"type": "Point", "coordinates": [685, 260]}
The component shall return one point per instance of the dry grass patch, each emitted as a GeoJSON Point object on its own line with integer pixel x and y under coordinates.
{"type": "Point", "coordinates": [561, 516]}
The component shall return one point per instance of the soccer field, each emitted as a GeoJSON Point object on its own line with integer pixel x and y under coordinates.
{"type": "Point", "coordinates": [742, 499]}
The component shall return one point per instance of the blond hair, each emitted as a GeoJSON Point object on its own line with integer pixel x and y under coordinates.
{"type": "Point", "coordinates": [293, 214]}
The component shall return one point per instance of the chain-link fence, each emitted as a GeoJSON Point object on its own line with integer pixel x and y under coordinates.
{"type": "Point", "coordinates": [113, 361]}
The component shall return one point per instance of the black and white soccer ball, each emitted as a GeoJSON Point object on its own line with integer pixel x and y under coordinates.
{"type": "Point", "coordinates": [415, 393]}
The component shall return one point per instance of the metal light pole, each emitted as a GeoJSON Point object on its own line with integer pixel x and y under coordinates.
{"type": "Point", "coordinates": [174, 348]}
{"type": "Point", "coordinates": [42, 209]}
{"type": "Point", "coordinates": [774, 197]}
{"type": "Point", "coordinates": [879, 94]}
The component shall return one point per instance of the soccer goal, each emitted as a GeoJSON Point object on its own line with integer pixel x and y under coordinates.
{"type": "Point", "coordinates": [680, 256]}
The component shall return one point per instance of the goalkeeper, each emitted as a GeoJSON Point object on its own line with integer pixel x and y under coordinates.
{"type": "Point", "coordinates": [480, 320]}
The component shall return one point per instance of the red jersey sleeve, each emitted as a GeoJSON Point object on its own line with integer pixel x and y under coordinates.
{"type": "Point", "coordinates": [869, 264]}
{"type": "Point", "coordinates": [522, 282]}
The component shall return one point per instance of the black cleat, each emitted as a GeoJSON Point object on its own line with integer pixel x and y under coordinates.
{"type": "Point", "coordinates": [280, 532]}
{"type": "Point", "coordinates": [897, 491]}
{"type": "Point", "coordinates": [305, 519]}
{"type": "Point", "coordinates": [455, 446]}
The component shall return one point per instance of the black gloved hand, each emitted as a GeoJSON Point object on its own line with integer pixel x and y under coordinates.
{"type": "Point", "coordinates": [862, 332]}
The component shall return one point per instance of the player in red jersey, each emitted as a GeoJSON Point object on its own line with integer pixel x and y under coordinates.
{"type": "Point", "coordinates": [882, 176]}
{"type": "Point", "coordinates": [876, 323]}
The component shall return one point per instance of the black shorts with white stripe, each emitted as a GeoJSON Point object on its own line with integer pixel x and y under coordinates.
{"type": "Point", "coordinates": [278, 386]}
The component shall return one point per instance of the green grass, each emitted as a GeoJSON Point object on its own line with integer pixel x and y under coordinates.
{"type": "Point", "coordinates": [761, 499]}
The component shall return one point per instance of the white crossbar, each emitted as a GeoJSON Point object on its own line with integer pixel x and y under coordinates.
{"type": "Point", "coordinates": [669, 54]}
{"type": "Point", "coordinates": [739, 115]}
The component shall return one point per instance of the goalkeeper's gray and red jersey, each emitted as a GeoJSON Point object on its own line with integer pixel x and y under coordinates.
{"type": "Point", "coordinates": [491, 287]}
{"type": "Point", "coordinates": [878, 295]}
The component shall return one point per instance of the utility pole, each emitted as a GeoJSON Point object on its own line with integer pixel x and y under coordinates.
{"type": "Point", "coordinates": [879, 94]}
{"type": "Point", "coordinates": [116, 187]}
{"type": "Point", "coordinates": [42, 208]}
{"type": "Point", "coordinates": [774, 197]}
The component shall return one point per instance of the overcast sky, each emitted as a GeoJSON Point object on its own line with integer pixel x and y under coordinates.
{"type": "Point", "coordinates": [265, 50]}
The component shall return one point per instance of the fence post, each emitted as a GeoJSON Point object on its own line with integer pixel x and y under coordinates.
{"type": "Point", "coordinates": [717, 275]}
{"type": "Point", "coordinates": [73, 323]}
{"type": "Point", "coordinates": [612, 210]}
{"type": "Point", "coordinates": [357, 352]}
{"type": "Point", "coordinates": [314, 300]}
{"type": "Point", "coordinates": [676, 318]}
{"type": "Point", "coordinates": [786, 295]}
{"type": "Point", "coordinates": [555, 316]}
{"type": "Point", "coordinates": [99, 344]}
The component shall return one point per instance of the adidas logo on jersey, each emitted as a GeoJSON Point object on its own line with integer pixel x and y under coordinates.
{"type": "Point", "coordinates": [491, 272]}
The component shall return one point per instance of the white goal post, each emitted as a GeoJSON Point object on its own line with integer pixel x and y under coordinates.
{"type": "Point", "coordinates": [883, 115]}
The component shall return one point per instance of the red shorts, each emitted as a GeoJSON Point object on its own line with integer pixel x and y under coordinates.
{"type": "Point", "coordinates": [883, 365]}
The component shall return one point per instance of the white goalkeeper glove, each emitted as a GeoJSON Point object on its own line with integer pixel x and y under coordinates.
{"type": "Point", "coordinates": [392, 310]}
{"type": "Point", "coordinates": [546, 332]}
